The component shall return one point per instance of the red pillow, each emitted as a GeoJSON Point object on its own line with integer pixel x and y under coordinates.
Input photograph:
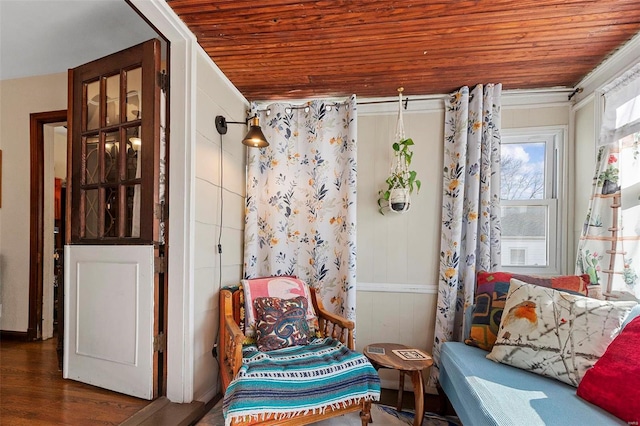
{"type": "Point", "coordinates": [613, 382]}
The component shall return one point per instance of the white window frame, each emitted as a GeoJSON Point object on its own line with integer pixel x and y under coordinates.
{"type": "Point", "coordinates": [555, 139]}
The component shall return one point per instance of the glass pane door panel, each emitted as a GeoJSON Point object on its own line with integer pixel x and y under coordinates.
{"type": "Point", "coordinates": [91, 201]}
{"type": "Point", "coordinates": [91, 163]}
{"type": "Point", "coordinates": [111, 157]}
{"type": "Point", "coordinates": [132, 226]}
{"type": "Point", "coordinates": [134, 94]}
{"type": "Point", "coordinates": [524, 235]}
{"type": "Point", "coordinates": [92, 91]}
{"type": "Point", "coordinates": [113, 100]}
{"type": "Point", "coordinates": [111, 212]}
{"type": "Point", "coordinates": [108, 201]}
{"type": "Point", "coordinates": [133, 153]}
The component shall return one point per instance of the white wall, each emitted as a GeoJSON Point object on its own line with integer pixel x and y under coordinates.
{"type": "Point", "coordinates": [585, 163]}
{"type": "Point", "coordinates": [398, 254]}
{"type": "Point", "coordinates": [215, 96]}
{"type": "Point", "coordinates": [18, 99]}
{"type": "Point", "coordinates": [396, 251]}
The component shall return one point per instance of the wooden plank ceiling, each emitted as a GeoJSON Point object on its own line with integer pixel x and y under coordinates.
{"type": "Point", "coordinates": [285, 49]}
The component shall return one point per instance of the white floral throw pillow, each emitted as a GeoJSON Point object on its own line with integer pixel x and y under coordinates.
{"type": "Point", "coordinates": [553, 333]}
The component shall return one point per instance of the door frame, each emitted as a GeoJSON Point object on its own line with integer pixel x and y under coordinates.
{"type": "Point", "coordinates": [183, 51]}
{"type": "Point", "coordinates": [36, 217]}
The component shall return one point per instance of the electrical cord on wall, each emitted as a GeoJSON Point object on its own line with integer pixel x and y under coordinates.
{"type": "Point", "coordinates": [221, 209]}
{"type": "Point", "coordinates": [214, 350]}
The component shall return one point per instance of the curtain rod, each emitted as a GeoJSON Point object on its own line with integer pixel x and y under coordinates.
{"type": "Point", "coordinates": [505, 93]}
{"type": "Point", "coordinates": [405, 102]}
{"type": "Point", "coordinates": [304, 106]}
{"type": "Point", "coordinates": [575, 92]}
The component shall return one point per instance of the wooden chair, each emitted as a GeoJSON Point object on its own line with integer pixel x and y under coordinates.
{"type": "Point", "coordinates": [230, 355]}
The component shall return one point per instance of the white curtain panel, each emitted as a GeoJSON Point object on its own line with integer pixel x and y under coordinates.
{"type": "Point", "coordinates": [300, 216]}
{"type": "Point", "coordinates": [609, 247]}
{"type": "Point", "coordinates": [470, 237]}
{"type": "Point", "coordinates": [621, 107]}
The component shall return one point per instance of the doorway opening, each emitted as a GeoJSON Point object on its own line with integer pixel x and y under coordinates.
{"type": "Point", "coordinates": [48, 142]}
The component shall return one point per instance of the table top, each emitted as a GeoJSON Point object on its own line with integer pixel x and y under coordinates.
{"type": "Point", "coordinates": [391, 360]}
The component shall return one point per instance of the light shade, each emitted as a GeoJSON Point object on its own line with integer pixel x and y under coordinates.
{"type": "Point", "coordinates": [255, 138]}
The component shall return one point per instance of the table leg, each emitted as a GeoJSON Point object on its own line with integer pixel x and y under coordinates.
{"type": "Point", "coordinates": [400, 390]}
{"type": "Point", "coordinates": [418, 392]}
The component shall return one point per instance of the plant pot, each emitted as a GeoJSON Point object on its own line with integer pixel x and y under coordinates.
{"type": "Point", "coordinates": [399, 200]}
{"type": "Point", "coordinates": [609, 187]}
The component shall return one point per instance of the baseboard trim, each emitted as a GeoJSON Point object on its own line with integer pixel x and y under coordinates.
{"type": "Point", "coordinates": [14, 335]}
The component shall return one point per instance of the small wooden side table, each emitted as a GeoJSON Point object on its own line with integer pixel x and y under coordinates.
{"type": "Point", "coordinates": [413, 368]}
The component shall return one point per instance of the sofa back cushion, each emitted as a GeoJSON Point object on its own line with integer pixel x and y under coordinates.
{"type": "Point", "coordinates": [554, 333]}
{"type": "Point", "coordinates": [491, 294]}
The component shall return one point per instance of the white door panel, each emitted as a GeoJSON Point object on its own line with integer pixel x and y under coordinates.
{"type": "Point", "coordinates": [109, 334]}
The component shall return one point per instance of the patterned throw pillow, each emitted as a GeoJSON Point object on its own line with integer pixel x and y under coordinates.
{"type": "Point", "coordinates": [282, 287]}
{"type": "Point", "coordinates": [281, 322]}
{"type": "Point", "coordinates": [554, 333]}
{"type": "Point", "coordinates": [614, 380]}
{"type": "Point", "coordinates": [491, 294]}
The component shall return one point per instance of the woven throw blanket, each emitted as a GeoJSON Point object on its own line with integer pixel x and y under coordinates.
{"type": "Point", "coordinates": [298, 380]}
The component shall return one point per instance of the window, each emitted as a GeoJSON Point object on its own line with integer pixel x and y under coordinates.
{"type": "Point", "coordinates": [530, 181]}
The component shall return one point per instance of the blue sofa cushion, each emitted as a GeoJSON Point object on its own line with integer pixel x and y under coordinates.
{"type": "Point", "coordinates": [487, 393]}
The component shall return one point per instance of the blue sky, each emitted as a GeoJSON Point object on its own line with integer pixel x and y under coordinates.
{"type": "Point", "coordinates": [530, 153]}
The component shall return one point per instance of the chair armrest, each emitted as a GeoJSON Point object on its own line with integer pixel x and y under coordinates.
{"type": "Point", "coordinates": [333, 325]}
{"type": "Point", "coordinates": [231, 338]}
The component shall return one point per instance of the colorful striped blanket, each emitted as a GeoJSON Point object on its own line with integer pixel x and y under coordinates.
{"type": "Point", "coordinates": [298, 379]}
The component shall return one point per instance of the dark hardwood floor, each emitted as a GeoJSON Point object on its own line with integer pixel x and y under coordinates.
{"type": "Point", "coordinates": [32, 391]}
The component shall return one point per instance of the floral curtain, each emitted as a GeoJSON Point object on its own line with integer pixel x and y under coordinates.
{"type": "Point", "coordinates": [470, 236]}
{"type": "Point", "coordinates": [301, 199]}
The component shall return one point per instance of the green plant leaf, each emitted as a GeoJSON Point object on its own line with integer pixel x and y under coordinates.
{"type": "Point", "coordinates": [407, 179]}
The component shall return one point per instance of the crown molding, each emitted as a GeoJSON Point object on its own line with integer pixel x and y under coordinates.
{"type": "Point", "coordinates": [617, 63]}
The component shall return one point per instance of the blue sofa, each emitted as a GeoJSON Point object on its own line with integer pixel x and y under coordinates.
{"type": "Point", "coordinates": [484, 392]}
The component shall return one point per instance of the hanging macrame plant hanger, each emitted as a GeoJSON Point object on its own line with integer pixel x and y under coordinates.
{"type": "Point", "coordinates": [399, 196]}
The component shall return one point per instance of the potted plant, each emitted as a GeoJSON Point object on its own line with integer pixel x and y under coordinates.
{"type": "Point", "coordinates": [609, 180]}
{"type": "Point", "coordinates": [401, 181]}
